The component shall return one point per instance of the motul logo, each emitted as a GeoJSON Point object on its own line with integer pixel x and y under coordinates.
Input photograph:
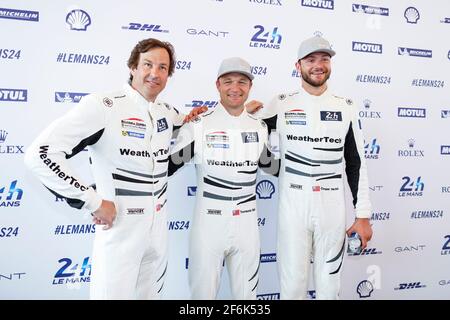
{"type": "Point", "coordinates": [322, 4]}
{"type": "Point", "coordinates": [19, 95]}
{"type": "Point", "coordinates": [411, 112]}
{"type": "Point", "coordinates": [367, 47]}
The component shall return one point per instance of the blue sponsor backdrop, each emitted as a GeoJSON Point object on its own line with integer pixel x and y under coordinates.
{"type": "Point", "coordinates": [390, 60]}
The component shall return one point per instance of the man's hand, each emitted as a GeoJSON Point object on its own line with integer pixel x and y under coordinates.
{"type": "Point", "coordinates": [362, 227]}
{"type": "Point", "coordinates": [105, 215]}
{"type": "Point", "coordinates": [253, 106]}
{"type": "Point", "coordinates": [194, 113]}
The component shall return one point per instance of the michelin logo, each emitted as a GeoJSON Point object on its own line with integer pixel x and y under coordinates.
{"type": "Point", "coordinates": [71, 97]}
{"type": "Point", "coordinates": [19, 14]}
{"type": "Point", "coordinates": [268, 257]}
{"type": "Point", "coordinates": [361, 8]}
{"type": "Point", "coordinates": [403, 51]}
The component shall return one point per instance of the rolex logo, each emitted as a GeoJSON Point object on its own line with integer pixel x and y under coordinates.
{"type": "Point", "coordinates": [3, 135]}
{"type": "Point", "coordinates": [367, 103]}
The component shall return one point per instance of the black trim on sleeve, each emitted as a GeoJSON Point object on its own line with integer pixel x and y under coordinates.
{"type": "Point", "coordinates": [271, 123]}
{"type": "Point", "coordinates": [248, 172]}
{"type": "Point", "coordinates": [74, 203]}
{"type": "Point", "coordinates": [175, 131]}
{"type": "Point", "coordinates": [86, 142]}
{"type": "Point", "coordinates": [252, 198]}
{"type": "Point", "coordinates": [177, 160]}
{"type": "Point", "coordinates": [268, 163]}
{"type": "Point", "coordinates": [352, 163]}
{"type": "Point", "coordinates": [219, 185]}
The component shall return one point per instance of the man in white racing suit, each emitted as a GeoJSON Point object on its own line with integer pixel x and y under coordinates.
{"type": "Point", "coordinates": [317, 132]}
{"type": "Point", "coordinates": [226, 145]}
{"type": "Point", "coordinates": [128, 134]}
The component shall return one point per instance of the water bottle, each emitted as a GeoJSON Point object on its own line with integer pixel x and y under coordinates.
{"type": "Point", "coordinates": [354, 244]}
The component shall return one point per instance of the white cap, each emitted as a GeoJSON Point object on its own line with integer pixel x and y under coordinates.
{"type": "Point", "coordinates": [235, 64]}
{"type": "Point", "coordinates": [314, 44]}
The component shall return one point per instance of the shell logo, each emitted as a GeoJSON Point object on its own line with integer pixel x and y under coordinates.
{"type": "Point", "coordinates": [78, 20]}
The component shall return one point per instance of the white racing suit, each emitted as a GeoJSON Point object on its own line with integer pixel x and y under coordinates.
{"type": "Point", "coordinates": [128, 140]}
{"type": "Point", "coordinates": [226, 151]}
{"type": "Point", "coordinates": [316, 135]}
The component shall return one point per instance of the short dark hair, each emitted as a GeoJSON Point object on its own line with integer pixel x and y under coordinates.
{"type": "Point", "coordinates": [146, 45]}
